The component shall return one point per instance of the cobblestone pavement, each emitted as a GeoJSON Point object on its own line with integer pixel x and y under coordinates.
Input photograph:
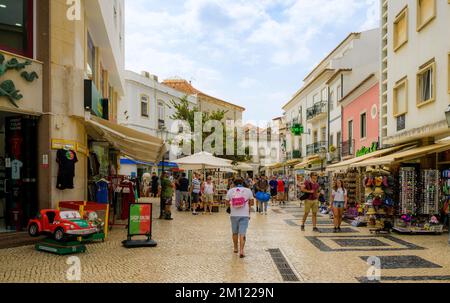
{"type": "Point", "coordinates": [199, 249]}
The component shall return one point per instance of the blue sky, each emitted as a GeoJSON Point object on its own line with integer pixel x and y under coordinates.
{"type": "Point", "coordinates": [254, 53]}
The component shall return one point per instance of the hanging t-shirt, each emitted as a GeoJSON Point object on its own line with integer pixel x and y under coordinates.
{"type": "Point", "coordinates": [66, 172]}
{"type": "Point", "coordinates": [16, 166]}
{"type": "Point", "coordinates": [102, 192]}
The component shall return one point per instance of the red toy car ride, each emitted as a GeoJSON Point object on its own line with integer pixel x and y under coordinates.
{"type": "Point", "coordinates": [60, 224]}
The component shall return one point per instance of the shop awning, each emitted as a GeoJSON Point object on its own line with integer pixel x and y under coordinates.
{"type": "Point", "coordinates": [307, 162]}
{"type": "Point", "coordinates": [293, 162]}
{"type": "Point", "coordinates": [351, 162]}
{"type": "Point", "coordinates": [129, 142]}
{"type": "Point", "coordinates": [275, 165]}
{"type": "Point", "coordinates": [405, 155]}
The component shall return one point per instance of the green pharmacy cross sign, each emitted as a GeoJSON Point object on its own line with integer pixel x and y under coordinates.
{"type": "Point", "coordinates": [7, 87]}
{"type": "Point", "coordinates": [297, 130]}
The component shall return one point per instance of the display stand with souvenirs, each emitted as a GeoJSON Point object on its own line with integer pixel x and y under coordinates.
{"type": "Point", "coordinates": [379, 205]}
{"type": "Point", "coordinates": [419, 201]}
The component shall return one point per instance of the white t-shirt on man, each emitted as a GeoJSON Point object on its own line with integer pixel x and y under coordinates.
{"type": "Point", "coordinates": [242, 192]}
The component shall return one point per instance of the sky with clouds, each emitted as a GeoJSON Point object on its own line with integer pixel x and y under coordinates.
{"type": "Point", "coordinates": [254, 53]}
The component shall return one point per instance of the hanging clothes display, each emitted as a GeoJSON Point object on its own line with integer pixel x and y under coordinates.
{"type": "Point", "coordinates": [66, 159]}
{"type": "Point", "coordinates": [102, 195]}
{"type": "Point", "coordinates": [128, 197]}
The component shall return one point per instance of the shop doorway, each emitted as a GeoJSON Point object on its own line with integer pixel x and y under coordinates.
{"type": "Point", "coordinates": [18, 171]}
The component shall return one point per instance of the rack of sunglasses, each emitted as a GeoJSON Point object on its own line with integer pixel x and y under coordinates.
{"type": "Point", "coordinates": [408, 190]}
{"type": "Point", "coordinates": [430, 192]}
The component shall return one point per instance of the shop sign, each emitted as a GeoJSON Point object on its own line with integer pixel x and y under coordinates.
{"type": "Point", "coordinates": [297, 130]}
{"type": "Point", "coordinates": [45, 161]}
{"type": "Point", "coordinates": [93, 100]}
{"type": "Point", "coordinates": [367, 150]}
{"type": "Point", "coordinates": [140, 221]}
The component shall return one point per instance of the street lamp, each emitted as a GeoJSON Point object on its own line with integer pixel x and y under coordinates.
{"type": "Point", "coordinates": [162, 205]}
{"type": "Point", "coordinates": [322, 157]}
{"type": "Point", "coordinates": [447, 115]}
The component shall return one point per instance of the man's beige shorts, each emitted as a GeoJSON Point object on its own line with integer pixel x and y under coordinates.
{"type": "Point", "coordinates": [209, 198]}
{"type": "Point", "coordinates": [312, 206]}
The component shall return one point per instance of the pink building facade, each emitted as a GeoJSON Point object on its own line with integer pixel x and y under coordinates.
{"type": "Point", "coordinates": [360, 119]}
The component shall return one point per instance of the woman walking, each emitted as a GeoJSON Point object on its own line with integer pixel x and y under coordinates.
{"type": "Point", "coordinates": [208, 195]}
{"type": "Point", "coordinates": [339, 196]}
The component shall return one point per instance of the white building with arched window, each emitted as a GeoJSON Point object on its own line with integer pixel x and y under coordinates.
{"type": "Point", "coordinates": [147, 106]}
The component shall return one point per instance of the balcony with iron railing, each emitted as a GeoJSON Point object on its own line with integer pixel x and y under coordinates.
{"type": "Point", "coordinates": [316, 148]}
{"type": "Point", "coordinates": [319, 110]}
{"type": "Point", "coordinates": [348, 149]}
{"type": "Point", "coordinates": [295, 154]}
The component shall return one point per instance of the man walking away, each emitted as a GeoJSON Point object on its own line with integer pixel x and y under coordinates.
{"type": "Point", "coordinates": [155, 185]}
{"type": "Point", "coordinates": [262, 186]}
{"type": "Point", "coordinates": [273, 189]}
{"type": "Point", "coordinates": [177, 192]}
{"type": "Point", "coordinates": [240, 199]}
{"type": "Point", "coordinates": [280, 190]}
{"type": "Point", "coordinates": [184, 192]}
{"type": "Point", "coordinates": [195, 193]}
{"type": "Point", "coordinates": [167, 189]}
{"type": "Point", "coordinates": [311, 187]}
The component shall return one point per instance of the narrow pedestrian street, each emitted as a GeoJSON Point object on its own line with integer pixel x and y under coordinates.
{"type": "Point", "coordinates": [198, 249]}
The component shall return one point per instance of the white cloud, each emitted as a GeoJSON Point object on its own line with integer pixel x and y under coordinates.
{"type": "Point", "coordinates": [229, 47]}
{"type": "Point", "coordinates": [248, 83]}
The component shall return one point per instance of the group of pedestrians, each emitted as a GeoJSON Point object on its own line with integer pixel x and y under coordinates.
{"type": "Point", "coordinates": [339, 202]}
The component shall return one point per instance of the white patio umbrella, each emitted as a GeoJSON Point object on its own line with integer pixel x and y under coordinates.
{"type": "Point", "coordinates": [243, 167]}
{"type": "Point", "coordinates": [203, 160]}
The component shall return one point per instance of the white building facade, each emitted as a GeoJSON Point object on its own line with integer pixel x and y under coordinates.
{"type": "Point", "coordinates": [148, 104]}
{"type": "Point", "coordinates": [316, 105]}
{"type": "Point", "coordinates": [415, 70]}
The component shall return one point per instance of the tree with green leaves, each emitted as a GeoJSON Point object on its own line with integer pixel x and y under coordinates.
{"type": "Point", "coordinates": [185, 112]}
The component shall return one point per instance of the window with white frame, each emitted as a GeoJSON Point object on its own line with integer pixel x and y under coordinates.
{"type": "Point", "coordinates": [144, 106]}
{"type": "Point", "coordinates": [339, 92]}
{"type": "Point", "coordinates": [161, 114]}
{"type": "Point", "coordinates": [426, 84]}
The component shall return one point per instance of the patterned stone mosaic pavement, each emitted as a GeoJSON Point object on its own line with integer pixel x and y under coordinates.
{"type": "Point", "coordinates": [198, 249]}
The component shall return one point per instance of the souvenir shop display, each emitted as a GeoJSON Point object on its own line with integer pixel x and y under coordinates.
{"type": "Point", "coordinates": [350, 181]}
{"type": "Point", "coordinates": [126, 195]}
{"type": "Point", "coordinates": [409, 190]}
{"type": "Point", "coordinates": [430, 192]}
{"type": "Point", "coordinates": [419, 201]}
{"type": "Point", "coordinates": [445, 197]}
{"type": "Point", "coordinates": [379, 201]}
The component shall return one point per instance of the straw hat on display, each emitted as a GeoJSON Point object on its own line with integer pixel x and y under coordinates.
{"type": "Point", "coordinates": [378, 191]}
{"type": "Point", "coordinates": [371, 212]}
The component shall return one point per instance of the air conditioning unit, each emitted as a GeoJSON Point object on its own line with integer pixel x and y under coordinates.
{"type": "Point", "coordinates": [145, 74]}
